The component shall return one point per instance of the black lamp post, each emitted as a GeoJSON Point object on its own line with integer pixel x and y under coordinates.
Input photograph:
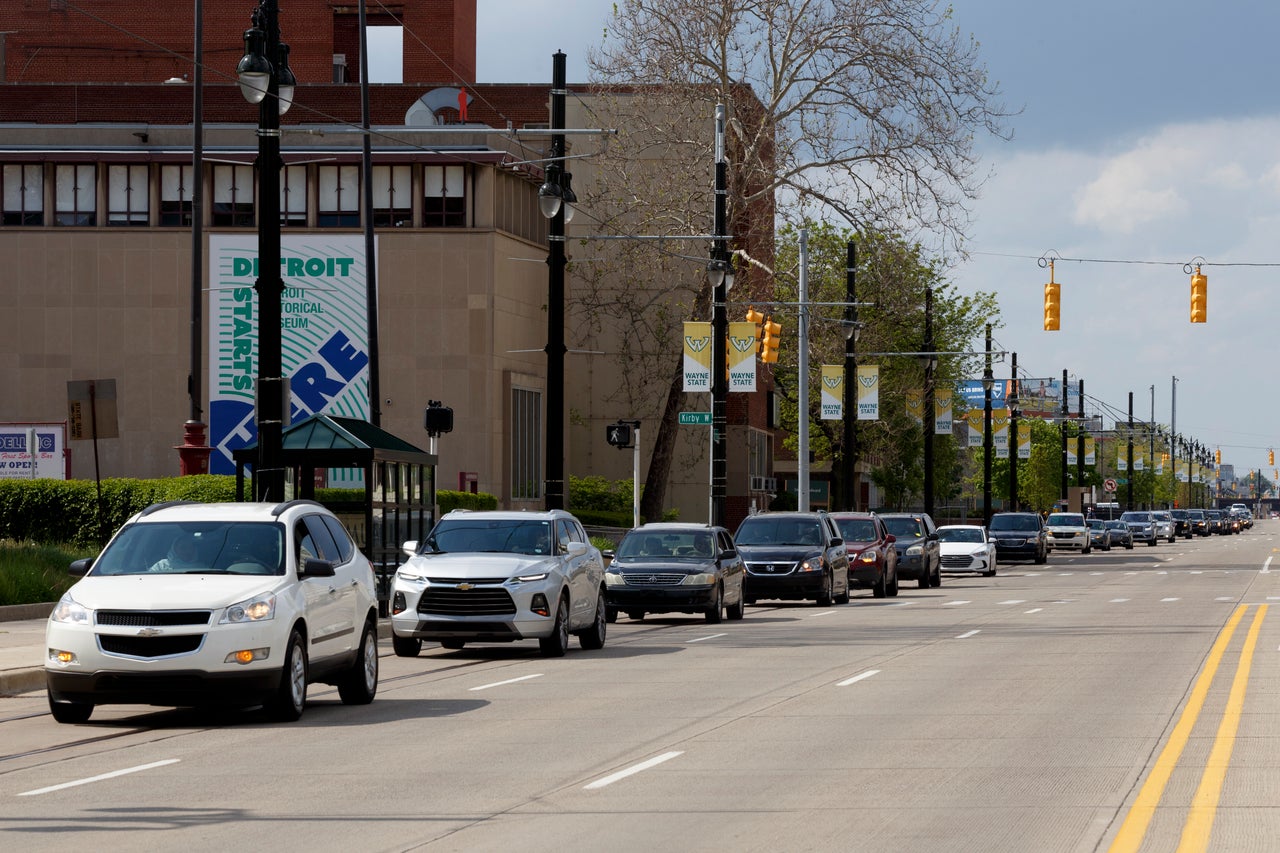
{"type": "Point", "coordinates": [555, 200]}
{"type": "Point", "coordinates": [927, 416]}
{"type": "Point", "coordinates": [988, 382]}
{"type": "Point", "coordinates": [720, 273]}
{"type": "Point", "coordinates": [265, 80]}
{"type": "Point", "coordinates": [849, 452]}
{"type": "Point", "coordinates": [1012, 401]}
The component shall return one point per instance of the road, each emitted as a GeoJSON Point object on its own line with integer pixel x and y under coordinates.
{"type": "Point", "coordinates": [1079, 706]}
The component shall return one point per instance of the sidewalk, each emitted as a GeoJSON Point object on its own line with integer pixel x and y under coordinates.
{"type": "Point", "coordinates": [22, 648]}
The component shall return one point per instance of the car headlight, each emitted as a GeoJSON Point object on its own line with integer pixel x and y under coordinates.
{"type": "Point", "coordinates": [700, 579]}
{"type": "Point", "coordinates": [72, 612]}
{"type": "Point", "coordinates": [536, 576]}
{"type": "Point", "coordinates": [813, 564]}
{"type": "Point", "coordinates": [915, 550]}
{"type": "Point", "coordinates": [614, 579]}
{"type": "Point", "coordinates": [979, 553]}
{"type": "Point", "coordinates": [257, 609]}
{"type": "Point", "coordinates": [867, 557]}
{"type": "Point", "coordinates": [410, 576]}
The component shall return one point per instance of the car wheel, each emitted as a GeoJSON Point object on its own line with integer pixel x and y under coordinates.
{"type": "Point", "coordinates": [291, 696]}
{"type": "Point", "coordinates": [936, 579]}
{"type": "Point", "coordinates": [406, 647]}
{"type": "Point", "coordinates": [635, 615]}
{"type": "Point", "coordinates": [611, 615]}
{"type": "Point", "coordinates": [1129, 545]}
{"type": "Point", "coordinates": [892, 588]}
{"type": "Point", "coordinates": [360, 684]}
{"type": "Point", "coordinates": [881, 587]}
{"type": "Point", "coordinates": [714, 610]}
{"type": "Point", "coordinates": [737, 611]}
{"type": "Point", "coordinates": [824, 597]}
{"type": "Point", "coordinates": [1152, 543]}
{"type": "Point", "coordinates": [843, 598]}
{"type": "Point", "coordinates": [925, 581]}
{"type": "Point", "coordinates": [70, 711]}
{"type": "Point", "coordinates": [557, 644]}
{"type": "Point", "coordinates": [1088, 549]}
{"type": "Point", "coordinates": [1042, 557]}
{"type": "Point", "coordinates": [593, 638]}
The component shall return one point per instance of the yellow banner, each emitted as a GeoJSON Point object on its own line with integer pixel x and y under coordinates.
{"type": "Point", "coordinates": [1090, 450]}
{"type": "Point", "coordinates": [974, 417]}
{"type": "Point", "coordinates": [915, 405]}
{"type": "Point", "coordinates": [868, 392]}
{"type": "Point", "coordinates": [742, 356]}
{"type": "Point", "coordinates": [832, 392]}
{"type": "Point", "coordinates": [942, 421]}
{"type": "Point", "coordinates": [697, 356]}
{"type": "Point", "coordinates": [1024, 440]}
{"type": "Point", "coordinates": [1000, 432]}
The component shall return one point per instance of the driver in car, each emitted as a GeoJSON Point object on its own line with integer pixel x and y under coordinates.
{"type": "Point", "coordinates": [182, 556]}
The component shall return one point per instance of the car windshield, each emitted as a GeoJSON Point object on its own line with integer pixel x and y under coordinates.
{"type": "Point", "coordinates": [1066, 519]}
{"type": "Point", "coordinates": [195, 548]}
{"type": "Point", "coordinates": [1117, 525]}
{"type": "Point", "coordinates": [905, 527]}
{"type": "Point", "coordinates": [492, 535]}
{"type": "Point", "coordinates": [644, 545]}
{"type": "Point", "coordinates": [758, 530]}
{"type": "Point", "coordinates": [1136, 516]}
{"type": "Point", "coordinates": [857, 529]}
{"type": "Point", "coordinates": [1097, 524]}
{"type": "Point", "coordinates": [960, 534]}
{"type": "Point", "coordinates": [1014, 522]}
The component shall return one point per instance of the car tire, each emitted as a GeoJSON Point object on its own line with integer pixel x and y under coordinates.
{"type": "Point", "coordinates": [593, 638]}
{"type": "Point", "coordinates": [406, 647]}
{"type": "Point", "coordinates": [1042, 557]}
{"type": "Point", "coordinates": [291, 696]}
{"type": "Point", "coordinates": [1152, 543]}
{"type": "Point", "coordinates": [1088, 549]}
{"type": "Point", "coordinates": [70, 711]}
{"type": "Point", "coordinates": [925, 581]}
{"type": "Point", "coordinates": [611, 615]}
{"type": "Point", "coordinates": [360, 684]}
{"type": "Point", "coordinates": [557, 644]}
{"type": "Point", "coordinates": [843, 598]}
{"type": "Point", "coordinates": [935, 580]}
{"type": "Point", "coordinates": [1129, 546]}
{"type": "Point", "coordinates": [635, 615]}
{"type": "Point", "coordinates": [734, 612]}
{"type": "Point", "coordinates": [892, 588]}
{"type": "Point", "coordinates": [453, 645]}
{"type": "Point", "coordinates": [715, 610]}
{"type": "Point", "coordinates": [881, 587]}
{"type": "Point", "coordinates": [824, 597]}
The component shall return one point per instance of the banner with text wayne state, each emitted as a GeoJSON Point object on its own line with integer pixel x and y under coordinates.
{"type": "Point", "coordinates": [323, 325]}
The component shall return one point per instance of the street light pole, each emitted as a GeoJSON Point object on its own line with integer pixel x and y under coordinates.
{"type": "Point", "coordinates": [720, 270]}
{"type": "Point", "coordinates": [265, 79]}
{"type": "Point", "coordinates": [849, 452]}
{"type": "Point", "coordinates": [927, 418]}
{"type": "Point", "coordinates": [988, 380]}
{"type": "Point", "coordinates": [1062, 435]}
{"type": "Point", "coordinates": [1129, 471]}
{"type": "Point", "coordinates": [1012, 400]}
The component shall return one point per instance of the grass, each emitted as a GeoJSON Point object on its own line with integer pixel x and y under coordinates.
{"type": "Point", "coordinates": [32, 574]}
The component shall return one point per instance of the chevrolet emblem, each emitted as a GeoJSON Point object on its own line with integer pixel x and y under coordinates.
{"type": "Point", "coordinates": [149, 632]}
{"type": "Point", "coordinates": [465, 586]}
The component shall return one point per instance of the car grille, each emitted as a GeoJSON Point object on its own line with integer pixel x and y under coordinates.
{"type": "Point", "coordinates": [770, 569]}
{"type": "Point", "coordinates": [1011, 541]}
{"type": "Point", "coordinates": [150, 647]}
{"type": "Point", "coordinates": [456, 581]}
{"type": "Point", "coordinates": [152, 618]}
{"type": "Point", "coordinates": [654, 578]}
{"type": "Point", "coordinates": [956, 561]}
{"type": "Point", "coordinates": [478, 601]}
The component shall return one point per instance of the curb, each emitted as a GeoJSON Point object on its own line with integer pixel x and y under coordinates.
{"type": "Point", "coordinates": [22, 612]}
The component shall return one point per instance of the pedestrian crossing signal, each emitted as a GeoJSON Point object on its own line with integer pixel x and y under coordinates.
{"type": "Point", "coordinates": [618, 435]}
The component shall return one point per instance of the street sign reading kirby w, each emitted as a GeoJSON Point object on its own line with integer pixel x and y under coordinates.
{"type": "Point", "coordinates": [695, 418]}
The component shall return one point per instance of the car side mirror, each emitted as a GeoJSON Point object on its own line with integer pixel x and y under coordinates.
{"type": "Point", "coordinates": [890, 538]}
{"type": "Point", "coordinates": [78, 568]}
{"type": "Point", "coordinates": [837, 541]}
{"type": "Point", "coordinates": [576, 549]}
{"type": "Point", "coordinates": [314, 567]}
{"type": "Point", "coordinates": [410, 547]}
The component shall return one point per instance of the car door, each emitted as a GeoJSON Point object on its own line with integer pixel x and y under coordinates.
{"type": "Point", "coordinates": [330, 601]}
{"type": "Point", "coordinates": [731, 567]}
{"type": "Point", "coordinates": [837, 555]}
{"type": "Point", "coordinates": [578, 574]}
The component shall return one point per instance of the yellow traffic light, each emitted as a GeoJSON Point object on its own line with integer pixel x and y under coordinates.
{"type": "Point", "coordinates": [1052, 305]}
{"type": "Point", "coordinates": [1271, 457]}
{"type": "Point", "coordinates": [1217, 457]}
{"type": "Point", "coordinates": [754, 316]}
{"type": "Point", "coordinates": [769, 334]}
{"type": "Point", "coordinates": [1199, 297]}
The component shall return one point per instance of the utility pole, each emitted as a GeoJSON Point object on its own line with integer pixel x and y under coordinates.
{"type": "Point", "coordinates": [802, 381]}
{"type": "Point", "coordinates": [1129, 472]}
{"type": "Point", "coordinates": [1012, 399]}
{"type": "Point", "coordinates": [849, 455]}
{"type": "Point", "coordinates": [927, 418]}
{"type": "Point", "coordinates": [1062, 434]}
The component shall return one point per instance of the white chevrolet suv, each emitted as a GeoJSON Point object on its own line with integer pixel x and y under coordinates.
{"type": "Point", "coordinates": [237, 604]}
{"type": "Point", "coordinates": [498, 576]}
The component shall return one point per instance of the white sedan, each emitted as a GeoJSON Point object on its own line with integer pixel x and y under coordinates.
{"type": "Point", "coordinates": [967, 548]}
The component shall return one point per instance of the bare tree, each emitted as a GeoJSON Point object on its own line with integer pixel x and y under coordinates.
{"type": "Point", "coordinates": [867, 109]}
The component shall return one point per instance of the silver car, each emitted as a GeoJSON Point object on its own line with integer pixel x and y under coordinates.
{"type": "Point", "coordinates": [498, 577]}
{"type": "Point", "coordinates": [1067, 530]}
{"type": "Point", "coordinates": [1166, 527]}
{"type": "Point", "coordinates": [1142, 526]}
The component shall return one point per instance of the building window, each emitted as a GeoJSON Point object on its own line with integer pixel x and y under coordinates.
{"type": "Point", "coordinates": [392, 196]}
{"type": "Point", "coordinates": [339, 197]}
{"type": "Point", "coordinates": [444, 197]}
{"type": "Point", "coordinates": [75, 195]}
{"type": "Point", "coordinates": [23, 194]}
{"type": "Point", "coordinates": [293, 196]}
{"type": "Point", "coordinates": [177, 191]}
{"type": "Point", "coordinates": [232, 196]}
{"type": "Point", "coordinates": [127, 195]}
{"type": "Point", "coordinates": [526, 444]}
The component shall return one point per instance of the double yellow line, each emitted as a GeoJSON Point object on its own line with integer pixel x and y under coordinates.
{"type": "Point", "coordinates": [1204, 806]}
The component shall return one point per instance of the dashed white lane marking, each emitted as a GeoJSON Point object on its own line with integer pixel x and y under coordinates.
{"type": "Point", "coordinates": [1015, 601]}
{"type": "Point", "coordinates": [708, 637]}
{"type": "Point", "coordinates": [901, 603]}
{"type": "Point", "coordinates": [1196, 573]}
{"type": "Point", "coordinates": [967, 635]}
{"type": "Point", "coordinates": [954, 603]}
{"type": "Point", "coordinates": [859, 677]}
{"type": "Point", "coordinates": [1064, 574]}
{"type": "Point", "coordinates": [632, 770]}
{"type": "Point", "coordinates": [1170, 599]}
{"type": "Point", "coordinates": [1034, 610]}
{"type": "Point", "coordinates": [1119, 600]}
{"type": "Point", "coordinates": [1095, 574]}
{"type": "Point", "coordinates": [113, 774]}
{"type": "Point", "coordinates": [508, 681]}
{"type": "Point", "coordinates": [823, 613]}
{"type": "Point", "coordinates": [1224, 598]}
{"type": "Point", "coordinates": [1266, 567]}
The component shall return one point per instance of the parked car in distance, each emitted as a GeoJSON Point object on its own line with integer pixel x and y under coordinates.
{"type": "Point", "coordinates": [916, 541]}
{"type": "Point", "coordinates": [1199, 522]}
{"type": "Point", "coordinates": [1166, 527]}
{"type": "Point", "coordinates": [1067, 531]}
{"type": "Point", "coordinates": [1099, 534]}
{"type": "Point", "coordinates": [228, 604]}
{"type": "Point", "coordinates": [873, 561]}
{"type": "Point", "coordinates": [794, 556]}
{"type": "Point", "coordinates": [1120, 533]}
{"type": "Point", "coordinates": [1216, 524]}
{"type": "Point", "coordinates": [1019, 536]}
{"type": "Point", "coordinates": [1141, 525]}
{"type": "Point", "coordinates": [675, 568]}
{"type": "Point", "coordinates": [967, 548]}
{"type": "Point", "coordinates": [1182, 523]}
{"type": "Point", "coordinates": [497, 577]}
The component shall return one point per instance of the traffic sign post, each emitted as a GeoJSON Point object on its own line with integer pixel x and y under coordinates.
{"type": "Point", "coordinates": [1109, 485]}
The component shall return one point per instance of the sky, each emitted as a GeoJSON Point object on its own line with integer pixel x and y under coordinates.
{"type": "Point", "coordinates": [1148, 135]}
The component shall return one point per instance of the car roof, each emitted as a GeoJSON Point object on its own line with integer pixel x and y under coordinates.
{"type": "Point", "coordinates": [676, 525]}
{"type": "Point", "coordinates": [225, 511]}
{"type": "Point", "coordinates": [960, 526]}
{"type": "Point", "coordinates": [509, 514]}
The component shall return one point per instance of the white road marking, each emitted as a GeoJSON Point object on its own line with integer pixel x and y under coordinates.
{"type": "Point", "coordinates": [1197, 573]}
{"type": "Point", "coordinates": [508, 681]}
{"type": "Point", "coordinates": [823, 613]}
{"type": "Point", "coordinates": [1119, 600]}
{"type": "Point", "coordinates": [709, 637]}
{"type": "Point", "coordinates": [1095, 574]}
{"type": "Point", "coordinates": [1224, 598]}
{"type": "Point", "coordinates": [1064, 574]}
{"type": "Point", "coordinates": [1035, 610]}
{"type": "Point", "coordinates": [100, 778]}
{"type": "Point", "coordinates": [1015, 601]}
{"type": "Point", "coordinates": [632, 770]}
{"type": "Point", "coordinates": [967, 635]}
{"type": "Point", "coordinates": [1266, 567]}
{"type": "Point", "coordinates": [901, 603]}
{"type": "Point", "coordinates": [859, 677]}
{"type": "Point", "coordinates": [1170, 599]}
{"type": "Point", "coordinates": [954, 603]}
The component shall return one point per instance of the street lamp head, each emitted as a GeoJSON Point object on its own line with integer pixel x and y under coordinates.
{"type": "Point", "coordinates": [254, 71]}
{"type": "Point", "coordinates": [567, 196]}
{"type": "Point", "coordinates": [551, 194]}
{"type": "Point", "coordinates": [285, 80]}
{"type": "Point", "coordinates": [851, 330]}
{"type": "Point", "coordinates": [988, 381]}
